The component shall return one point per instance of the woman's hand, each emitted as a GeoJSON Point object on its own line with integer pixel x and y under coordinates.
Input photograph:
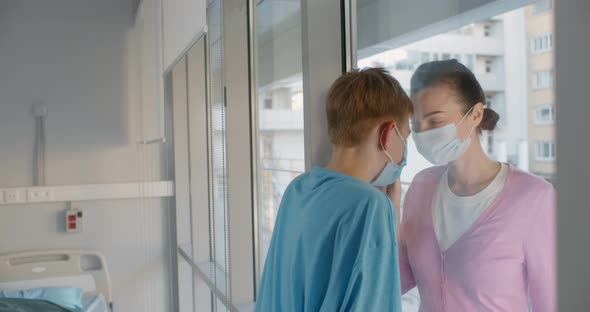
{"type": "Point", "coordinates": [394, 192]}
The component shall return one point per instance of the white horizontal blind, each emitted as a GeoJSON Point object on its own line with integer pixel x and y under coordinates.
{"type": "Point", "coordinates": [217, 151]}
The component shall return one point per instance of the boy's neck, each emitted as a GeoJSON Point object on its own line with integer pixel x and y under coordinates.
{"type": "Point", "coordinates": [354, 161]}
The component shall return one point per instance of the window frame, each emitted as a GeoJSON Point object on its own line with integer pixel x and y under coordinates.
{"type": "Point", "coordinates": [539, 83]}
{"type": "Point", "coordinates": [488, 66]}
{"type": "Point", "coordinates": [232, 289]}
{"type": "Point", "coordinates": [542, 43]}
{"type": "Point", "coordinates": [538, 113]}
{"type": "Point", "coordinates": [324, 48]}
{"type": "Point", "coordinates": [487, 30]}
{"type": "Point", "coordinates": [540, 147]}
{"type": "Point", "coordinates": [542, 7]}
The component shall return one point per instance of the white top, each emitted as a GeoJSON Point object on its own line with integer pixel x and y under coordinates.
{"type": "Point", "coordinates": [454, 215]}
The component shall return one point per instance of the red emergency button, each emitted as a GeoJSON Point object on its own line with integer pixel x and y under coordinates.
{"type": "Point", "coordinates": [72, 218]}
{"type": "Point", "coordinates": [71, 226]}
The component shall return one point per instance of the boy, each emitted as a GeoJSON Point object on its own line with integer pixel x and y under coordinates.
{"type": "Point", "coordinates": [334, 245]}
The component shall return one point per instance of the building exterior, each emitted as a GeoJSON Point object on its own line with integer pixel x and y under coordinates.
{"type": "Point", "coordinates": [541, 104]}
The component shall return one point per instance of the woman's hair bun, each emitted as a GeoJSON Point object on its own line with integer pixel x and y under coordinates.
{"type": "Point", "coordinates": [489, 120]}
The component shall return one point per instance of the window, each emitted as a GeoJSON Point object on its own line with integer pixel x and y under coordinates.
{"type": "Point", "coordinates": [543, 79]}
{"type": "Point", "coordinates": [499, 65]}
{"type": "Point", "coordinates": [487, 30]}
{"type": "Point", "coordinates": [542, 43]}
{"type": "Point", "coordinates": [488, 66]}
{"type": "Point", "coordinates": [469, 61]}
{"type": "Point", "coordinates": [545, 150]}
{"type": "Point", "coordinates": [542, 6]}
{"type": "Point", "coordinates": [544, 115]}
{"type": "Point", "coordinates": [490, 144]}
{"type": "Point", "coordinates": [279, 130]}
{"type": "Point", "coordinates": [466, 30]}
{"type": "Point", "coordinates": [491, 44]}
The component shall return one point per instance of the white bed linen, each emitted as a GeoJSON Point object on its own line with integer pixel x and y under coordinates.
{"type": "Point", "coordinates": [95, 304]}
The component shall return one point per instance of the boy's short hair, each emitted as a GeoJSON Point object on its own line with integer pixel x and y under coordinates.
{"type": "Point", "coordinates": [361, 99]}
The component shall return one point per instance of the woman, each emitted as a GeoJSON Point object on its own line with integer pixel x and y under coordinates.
{"type": "Point", "coordinates": [476, 234]}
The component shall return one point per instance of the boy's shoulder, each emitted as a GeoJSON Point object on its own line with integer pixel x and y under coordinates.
{"type": "Point", "coordinates": [346, 190]}
{"type": "Point", "coordinates": [321, 178]}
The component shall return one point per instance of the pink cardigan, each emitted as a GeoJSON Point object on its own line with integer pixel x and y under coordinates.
{"type": "Point", "coordinates": [509, 252]}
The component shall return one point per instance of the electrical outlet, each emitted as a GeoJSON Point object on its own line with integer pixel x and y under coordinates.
{"type": "Point", "coordinates": [74, 220]}
{"type": "Point", "coordinates": [39, 194]}
{"type": "Point", "coordinates": [13, 196]}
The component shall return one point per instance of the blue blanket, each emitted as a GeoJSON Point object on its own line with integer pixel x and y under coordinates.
{"type": "Point", "coordinates": [29, 305]}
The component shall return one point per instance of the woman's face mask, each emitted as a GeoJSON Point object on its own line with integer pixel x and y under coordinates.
{"type": "Point", "coordinates": [442, 145]}
{"type": "Point", "coordinates": [392, 171]}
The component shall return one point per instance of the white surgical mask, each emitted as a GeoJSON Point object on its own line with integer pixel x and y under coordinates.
{"type": "Point", "coordinates": [392, 171]}
{"type": "Point", "coordinates": [442, 145]}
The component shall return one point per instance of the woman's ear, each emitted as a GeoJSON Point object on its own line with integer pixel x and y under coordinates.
{"type": "Point", "coordinates": [477, 114]}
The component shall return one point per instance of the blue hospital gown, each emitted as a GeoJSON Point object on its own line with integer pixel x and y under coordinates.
{"type": "Point", "coordinates": [333, 248]}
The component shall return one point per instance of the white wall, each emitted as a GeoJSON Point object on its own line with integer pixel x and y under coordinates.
{"type": "Point", "coordinates": [183, 21]}
{"type": "Point", "coordinates": [74, 56]}
{"type": "Point", "coordinates": [572, 68]}
{"type": "Point", "coordinates": [147, 36]}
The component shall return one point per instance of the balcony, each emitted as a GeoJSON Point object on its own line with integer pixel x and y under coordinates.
{"type": "Point", "coordinates": [280, 119]}
{"type": "Point", "coordinates": [491, 82]}
{"type": "Point", "coordinates": [452, 43]}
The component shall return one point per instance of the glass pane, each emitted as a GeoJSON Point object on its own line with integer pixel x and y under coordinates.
{"type": "Point", "coordinates": [279, 108]}
{"type": "Point", "coordinates": [217, 127]}
{"type": "Point", "coordinates": [492, 48]}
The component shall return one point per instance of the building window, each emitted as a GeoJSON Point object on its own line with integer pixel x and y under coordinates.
{"type": "Point", "coordinates": [542, 43]}
{"type": "Point", "coordinates": [543, 79]}
{"type": "Point", "coordinates": [487, 30]}
{"type": "Point", "coordinates": [425, 57]}
{"type": "Point", "coordinates": [545, 150]}
{"type": "Point", "coordinates": [488, 66]}
{"type": "Point", "coordinates": [545, 115]}
{"type": "Point", "coordinates": [469, 61]}
{"type": "Point", "coordinates": [489, 101]}
{"type": "Point", "coordinates": [267, 103]}
{"type": "Point", "coordinates": [542, 6]}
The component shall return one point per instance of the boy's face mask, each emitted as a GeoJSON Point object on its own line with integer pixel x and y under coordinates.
{"type": "Point", "coordinates": [392, 171]}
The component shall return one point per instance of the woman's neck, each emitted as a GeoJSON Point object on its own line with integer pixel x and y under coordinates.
{"type": "Point", "coordinates": [471, 173]}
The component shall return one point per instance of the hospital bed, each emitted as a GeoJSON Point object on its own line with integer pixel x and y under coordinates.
{"type": "Point", "coordinates": [60, 268]}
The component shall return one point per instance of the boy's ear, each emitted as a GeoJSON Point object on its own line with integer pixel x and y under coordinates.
{"type": "Point", "coordinates": [385, 133]}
